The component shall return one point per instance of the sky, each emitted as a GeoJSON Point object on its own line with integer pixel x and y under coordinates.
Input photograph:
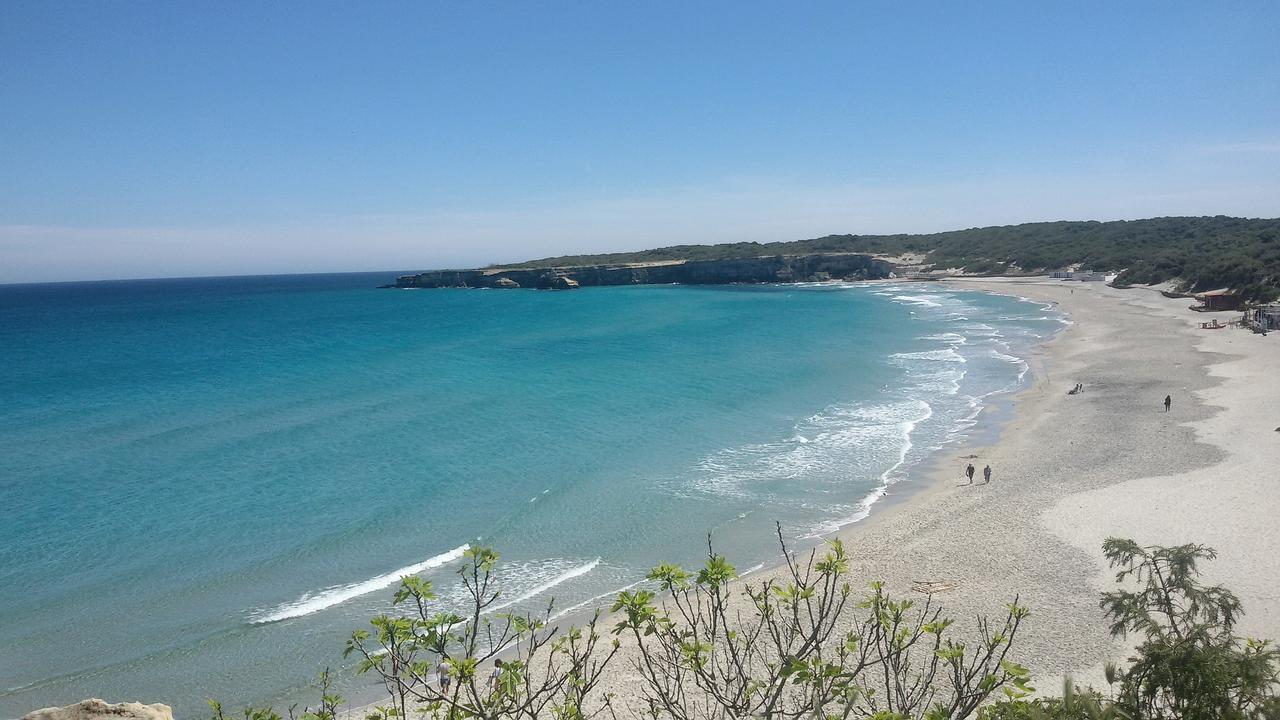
{"type": "Point", "coordinates": [153, 139]}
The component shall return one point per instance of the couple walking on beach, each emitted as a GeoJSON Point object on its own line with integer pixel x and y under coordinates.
{"type": "Point", "coordinates": [986, 474]}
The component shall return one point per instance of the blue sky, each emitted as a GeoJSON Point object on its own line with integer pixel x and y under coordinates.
{"type": "Point", "coordinates": [193, 138]}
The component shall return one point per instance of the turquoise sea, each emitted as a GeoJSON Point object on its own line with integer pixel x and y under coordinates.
{"type": "Point", "coordinates": [208, 483]}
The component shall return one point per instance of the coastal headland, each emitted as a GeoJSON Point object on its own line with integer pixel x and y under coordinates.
{"type": "Point", "coordinates": [768, 269]}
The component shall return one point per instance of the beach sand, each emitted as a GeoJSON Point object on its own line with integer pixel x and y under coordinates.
{"type": "Point", "coordinates": [1071, 470]}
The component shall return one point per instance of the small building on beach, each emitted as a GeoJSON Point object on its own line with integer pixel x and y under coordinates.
{"type": "Point", "coordinates": [1082, 275]}
{"type": "Point", "coordinates": [1217, 301]}
{"type": "Point", "coordinates": [1267, 317]}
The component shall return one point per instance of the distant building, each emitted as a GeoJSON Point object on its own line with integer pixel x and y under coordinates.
{"type": "Point", "coordinates": [1217, 301]}
{"type": "Point", "coordinates": [1082, 275]}
{"type": "Point", "coordinates": [1268, 317]}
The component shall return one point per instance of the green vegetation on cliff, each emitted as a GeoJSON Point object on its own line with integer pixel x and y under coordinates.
{"type": "Point", "coordinates": [1201, 252]}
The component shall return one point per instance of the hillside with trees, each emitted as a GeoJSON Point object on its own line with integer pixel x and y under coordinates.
{"type": "Point", "coordinates": [1201, 253]}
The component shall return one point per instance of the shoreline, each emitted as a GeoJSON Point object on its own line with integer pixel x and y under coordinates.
{"type": "Point", "coordinates": [1071, 470]}
{"type": "Point", "coordinates": [991, 421]}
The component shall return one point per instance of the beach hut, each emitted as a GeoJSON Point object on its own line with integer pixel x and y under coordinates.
{"type": "Point", "coordinates": [1217, 301]}
{"type": "Point", "coordinates": [1268, 317]}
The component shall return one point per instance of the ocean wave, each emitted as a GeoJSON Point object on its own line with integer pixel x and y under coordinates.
{"type": "Point", "coordinates": [835, 439]}
{"type": "Point", "coordinates": [537, 590]}
{"type": "Point", "coordinates": [948, 337]}
{"type": "Point", "coordinates": [601, 596]}
{"type": "Point", "coordinates": [887, 478]}
{"type": "Point", "coordinates": [944, 355]}
{"type": "Point", "coordinates": [921, 300]}
{"type": "Point", "coordinates": [1007, 357]}
{"type": "Point", "coordinates": [327, 598]}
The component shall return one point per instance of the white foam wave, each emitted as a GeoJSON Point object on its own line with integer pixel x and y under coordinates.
{"type": "Point", "coordinates": [327, 598]}
{"type": "Point", "coordinates": [921, 300]}
{"type": "Point", "coordinates": [890, 476]}
{"type": "Point", "coordinates": [945, 355]}
{"type": "Point", "coordinates": [1007, 357]}
{"type": "Point", "coordinates": [840, 439]}
{"type": "Point", "coordinates": [538, 590]}
{"type": "Point", "coordinates": [601, 596]}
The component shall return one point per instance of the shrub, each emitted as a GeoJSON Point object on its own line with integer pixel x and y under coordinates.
{"type": "Point", "coordinates": [1189, 663]}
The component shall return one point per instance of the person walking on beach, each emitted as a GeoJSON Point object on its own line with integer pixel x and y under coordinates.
{"type": "Point", "coordinates": [969, 472]}
{"type": "Point", "coordinates": [442, 675]}
{"type": "Point", "coordinates": [495, 676]}
{"type": "Point", "coordinates": [1168, 400]}
{"type": "Point", "coordinates": [986, 475]}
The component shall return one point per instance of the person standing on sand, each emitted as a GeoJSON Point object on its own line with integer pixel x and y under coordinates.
{"type": "Point", "coordinates": [969, 472]}
{"type": "Point", "coordinates": [986, 475]}
{"type": "Point", "coordinates": [1168, 400]}
{"type": "Point", "coordinates": [495, 677]}
{"type": "Point", "coordinates": [442, 675]}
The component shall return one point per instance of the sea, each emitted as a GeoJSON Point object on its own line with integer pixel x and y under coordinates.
{"type": "Point", "coordinates": [207, 484]}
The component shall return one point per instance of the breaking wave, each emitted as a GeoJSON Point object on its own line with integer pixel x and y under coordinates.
{"type": "Point", "coordinates": [327, 598]}
{"type": "Point", "coordinates": [543, 587]}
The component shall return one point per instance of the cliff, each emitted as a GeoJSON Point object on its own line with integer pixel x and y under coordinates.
{"type": "Point", "coordinates": [770, 269]}
{"type": "Point", "coordinates": [99, 710]}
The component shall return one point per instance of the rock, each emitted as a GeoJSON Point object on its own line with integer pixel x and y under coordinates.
{"type": "Point", "coordinates": [96, 709]}
{"type": "Point", "coordinates": [505, 282]}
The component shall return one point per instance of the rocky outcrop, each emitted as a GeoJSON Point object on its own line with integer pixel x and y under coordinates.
{"type": "Point", "coordinates": [769, 269]}
{"type": "Point", "coordinates": [96, 709]}
{"type": "Point", "coordinates": [563, 282]}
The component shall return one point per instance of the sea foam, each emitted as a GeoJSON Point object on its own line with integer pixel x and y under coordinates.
{"type": "Point", "coordinates": [327, 598]}
{"type": "Point", "coordinates": [538, 590]}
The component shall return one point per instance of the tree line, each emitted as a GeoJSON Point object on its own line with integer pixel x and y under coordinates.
{"type": "Point", "coordinates": [1201, 253]}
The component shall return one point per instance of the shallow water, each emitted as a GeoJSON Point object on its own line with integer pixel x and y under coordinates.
{"type": "Point", "coordinates": [208, 483]}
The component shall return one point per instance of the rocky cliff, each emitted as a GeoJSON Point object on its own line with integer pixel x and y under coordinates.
{"type": "Point", "coordinates": [101, 710]}
{"type": "Point", "coordinates": [770, 269]}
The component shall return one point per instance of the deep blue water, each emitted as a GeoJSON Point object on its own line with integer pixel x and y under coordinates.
{"type": "Point", "coordinates": [208, 483]}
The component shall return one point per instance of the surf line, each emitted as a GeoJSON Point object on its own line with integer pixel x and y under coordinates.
{"type": "Point", "coordinates": [312, 603]}
{"type": "Point", "coordinates": [562, 577]}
